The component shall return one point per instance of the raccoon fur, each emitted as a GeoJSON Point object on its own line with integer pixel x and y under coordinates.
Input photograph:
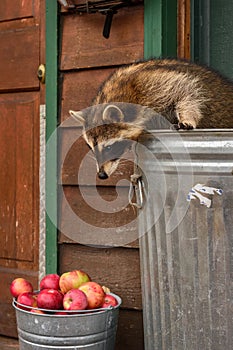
{"type": "Point", "coordinates": [185, 94]}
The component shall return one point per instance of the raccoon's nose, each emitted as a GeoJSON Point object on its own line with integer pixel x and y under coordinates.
{"type": "Point", "coordinates": [102, 175]}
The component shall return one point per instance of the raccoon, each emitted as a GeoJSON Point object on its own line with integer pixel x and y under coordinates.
{"type": "Point", "coordinates": [185, 94]}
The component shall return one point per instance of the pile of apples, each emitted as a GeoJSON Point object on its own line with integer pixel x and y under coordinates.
{"type": "Point", "coordinates": [72, 290]}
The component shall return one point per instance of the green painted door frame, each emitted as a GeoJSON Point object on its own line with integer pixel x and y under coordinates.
{"type": "Point", "coordinates": [51, 134]}
{"type": "Point", "coordinates": [160, 41]}
{"type": "Point", "coordinates": [212, 30]}
{"type": "Point", "coordinates": [160, 28]}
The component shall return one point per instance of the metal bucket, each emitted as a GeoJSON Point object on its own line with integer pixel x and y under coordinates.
{"type": "Point", "coordinates": [94, 330]}
{"type": "Point", "coordinates": [186, 228]}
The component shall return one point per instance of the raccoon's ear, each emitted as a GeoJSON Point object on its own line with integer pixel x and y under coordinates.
{"type": "Point", "coordinates": [78, 116]}
{"type": "Point", "coordinates": [113, 114]}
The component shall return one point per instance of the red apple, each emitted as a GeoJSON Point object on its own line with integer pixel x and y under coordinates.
{"type": "Point", "coordinates": [60, 313]}
{"type": "Point", "coordinates": [72, 280]}
{"type": "Point", "coordinates": [50, 281]}
{"type": "Point", "coordinates": [95, 294]}
{"type": "Point", "coordinates": [37, 311]}
{"type": "Point", "coordinates": [50, 299]}
{"type": "Point", "coordinates": [20, 285]}
{"type": "Point", "coordinates": [75, 299]}
{"type": "Point", "coordinates": [27, 299]}
{"type": "Point", "coordinates": [109, 300]}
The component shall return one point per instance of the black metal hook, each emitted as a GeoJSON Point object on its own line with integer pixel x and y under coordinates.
{"type": "Point", "coordinates": [110, 12]}
{"type": "Point", "coordinates": [106, 7]}
{"type": "Point", "coordinates": [108, 22]}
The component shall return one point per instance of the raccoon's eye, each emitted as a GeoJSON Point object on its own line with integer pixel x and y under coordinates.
{"type": "Point", "coordinates": [108, 148]}
{"type": "Point", "coordinates": [115, 150]}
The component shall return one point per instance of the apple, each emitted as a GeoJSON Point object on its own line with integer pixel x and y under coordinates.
{"type": "Point", "coordinates": [20, 285]}
{"type": "Point", "coordinates": [75, 299]}
{"type": "Point", "coordinates": [60, 313]}
{"type": "Point", "coordinates": [50, 281]}
{"type": "Point", "coordinates": [51, 299]}
{"type": "Point", "coordinates": [28, 299]}
{"type": "Point", "coordinates": [37, 311]}
{"type": "Point", "coordinates": [106, 290]}
{"type": "Point", "coordinates": [72, 280]}
{"type": "Point", "coordinates": [95, 294]}
{"type": "Point", "coordinates": [109, 300]}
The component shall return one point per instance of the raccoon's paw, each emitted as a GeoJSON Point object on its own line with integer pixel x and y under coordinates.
{"type": "Point", "coordinates": [186, 121]}
{"type": "Point", "coordinates": [174, 127]}
{"type": "Point", "coordinates": [186, 126]}
{"type": "Point", "coordinates": [183, 126]}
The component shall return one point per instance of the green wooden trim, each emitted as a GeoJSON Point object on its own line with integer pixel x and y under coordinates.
{"type": "Point", "coordinates": [51, 125]}
{"type": "Point", "coordinates": [160, 28]}
{"type": "Point", "coordinates": [212, 32]}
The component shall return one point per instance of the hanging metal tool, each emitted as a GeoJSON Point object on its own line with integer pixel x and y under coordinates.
{"type": "Point", "coordinates": [108, 22]}
{"type": "Point", "coordinates": [106, 7]}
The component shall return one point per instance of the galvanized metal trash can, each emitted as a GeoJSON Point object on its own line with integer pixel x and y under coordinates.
{"type": "Point", "coordinates": [93, 330]}
{"type": "Point", "coordinates": [186, 243]}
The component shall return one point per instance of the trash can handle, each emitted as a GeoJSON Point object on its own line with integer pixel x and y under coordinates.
{"type": "Point", "coordinates": [136, 186]}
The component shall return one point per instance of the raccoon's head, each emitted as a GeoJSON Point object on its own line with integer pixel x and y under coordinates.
{"type": "Point", "coordinates": [108, 133]}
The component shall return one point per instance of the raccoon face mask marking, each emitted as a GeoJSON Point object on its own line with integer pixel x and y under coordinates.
{"type": "Point", "coordinates": [108, 156]}
{"type": "Point", "coordinates": [108, 136]}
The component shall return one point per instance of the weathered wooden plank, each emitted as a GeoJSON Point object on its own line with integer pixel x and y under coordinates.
{"type": "Point", "coordinates": [64, 239]}
{"type": "Point", "coordinates": [19, 147]}
{"type": "Point", "coordinates": [184, 29]}
{"type": "Point", "coordinates": [130, 330]}
{"type": "Point", "coordinates": [80, 88]}
{"type": "Point", "coordinates": [9, 343]}
{"type": "Point", "coordinates": [97, 216]}
{"type": "Point", "coordinates": [19, 197]}
{"type": "Point", "coordinates": [19, 59]}
{"type": "Point", "coordinates": [15, 9]}
{"type": "Point", "coordinates": [78, 164]}
{"type": "Point", "coordinates": [116, 268]}
{"type": "Point", "coordinates": [19, 164]}
{"type": "Point", "coordinates": [83, 2]}
{"type": "Point", "coordinates": [83, 44]}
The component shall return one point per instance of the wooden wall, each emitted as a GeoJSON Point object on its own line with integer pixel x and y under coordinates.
{"type": "Point", "coordinates": [86, 60]}
{"type": "Point", "coordinates": [183, 29]}
{"type": "Point", "coordinates": [22, 31]}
